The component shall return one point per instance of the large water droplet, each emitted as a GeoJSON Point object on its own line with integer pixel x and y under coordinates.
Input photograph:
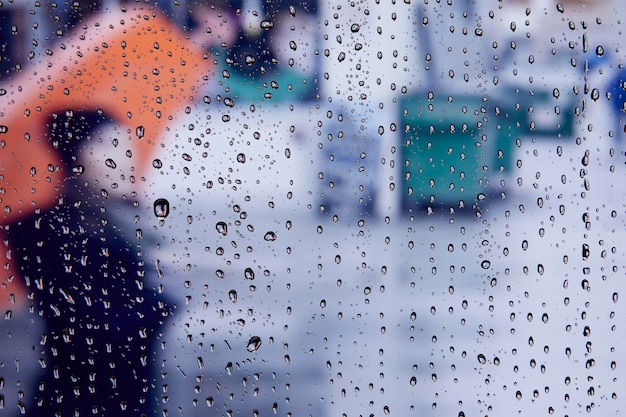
{"type": "Point", "coordinates": [249, 273]}
{"type": "Point", "coordinates": [270, 236]}
{"type": "Point", "coordinates": [161, 208]}
{"type": "Point", "coordinates": [355, 28]}
{"type": "Point", "coordinates": [232, 296]}
{"type": "Point", "coordinates": [110, 163]}
{"type": "Point", "coordinates": [141, 131]}
{"type": "Point", "coordinates": [267, 24]}
{"type": "Point", "coordinates": [221, 228]}
{"type": "Point", "coordinates": [253, 344]}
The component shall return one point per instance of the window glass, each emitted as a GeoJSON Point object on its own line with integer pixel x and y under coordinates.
{"type": "Point", "coordinates": [311, 208]}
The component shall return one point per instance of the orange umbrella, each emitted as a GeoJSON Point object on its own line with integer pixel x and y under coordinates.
{"type": "Point", "coordinates": [133, 64]}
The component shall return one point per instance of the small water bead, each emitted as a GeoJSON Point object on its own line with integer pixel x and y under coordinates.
{"type": "Point", "coordinates": [161, 208]}
{"type": "Point", "coordinates": [254, 344]}
{"type": "Point", "coordinates": [248, 274]}
{"type": "Point", "coordinates": [140, 131]}
{"type": "Point", "coordinates": [222, 228]}
{"type": "Point", "coordinates": [269, 236]}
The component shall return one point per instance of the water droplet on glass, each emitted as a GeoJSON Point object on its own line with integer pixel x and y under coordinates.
{"type": "Point", "coordinates": [595, 94]}
{"type": "Point", "coordinates": [355, 28]}
{"type": "Point", "coordinates": [110, 163]}
{"type": "Point", "coordinates": [157, 164]}
{"type": "Point", "coordinates": [267, 24]}
{"type": "Point", "coordinates": [485, 264]}
{"type": "Point", "coordinates": [161, 208]}
{"type": "Point", "coordinates": [248, 273]}
{"type": "Point", "coordinates": [270, 236]}
{"type": "Point", "coordinates": [232, 296]}
{"type": "Point", "coordinates": [253, 344]}
{"type": "Point", "coordinates": [241, 158]}
{"type": "Point", "coordinates": [600, 50]}
{"type": "Point", "coordinates": [481, 359]}
{"type": "Point", "coordinates": [141, 131]}
{"type": "Point", "coordinates": [221, 228]}
{"type": "Point", "coordinates": [78, 169]}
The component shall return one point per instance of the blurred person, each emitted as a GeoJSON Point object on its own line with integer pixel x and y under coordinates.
{"type": "Point", "coordinates": [82, 266]}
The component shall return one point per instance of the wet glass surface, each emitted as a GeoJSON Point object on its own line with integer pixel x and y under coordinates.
{"type": "Point", "coordinates": [249, 208]}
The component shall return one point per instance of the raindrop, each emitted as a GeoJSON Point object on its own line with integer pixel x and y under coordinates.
{"type": "Point", "coordinates": [157, 163]}
{"type": "Point", "coordinates": [355, 27]}
{"type": "Point", "coordinates": [485, 264]}
{"type": "Point", "coordinates": [232, 296]}
{"type": "Point", "coordinates": [270, 236]}
{"type": "Point", "coordinates": [253, 344]}
{"type": "Point", "coordinates": [342, 56]}
{"type": "Point", "coordinates": [267, 24]}
{"type": "Point", "coordinates": [140, 131]}
{"type": "Point", "coordinates": [249, 273]}
{"type": "Point", "coordinates": [161, 208]}
{"type": "Point", "coordinates": [585, 251]}
{"type": "Point", "coordinates": [481, 359]}
{"type": "Point", "coordinates": [293, 45]}
{"type": "Point", "coordinates": [595, 94]}
{"type": "Point", "coordinates": [78, 169]}
{"type": "Point", "coordinates": [110, 163]}
{"type": "Point", "coordinates": [600, 50]}
{"type": "Point", "coordinates": [221, 228]}
{"type": "Point", "coordinates": [241, 158]}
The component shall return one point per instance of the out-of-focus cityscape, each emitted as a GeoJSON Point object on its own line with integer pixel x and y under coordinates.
{"type": "Point", "coordinates": [366, 208]}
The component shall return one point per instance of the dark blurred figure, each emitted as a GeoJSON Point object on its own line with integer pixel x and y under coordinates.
{"type": "Point", "coordinates": [102, 314]}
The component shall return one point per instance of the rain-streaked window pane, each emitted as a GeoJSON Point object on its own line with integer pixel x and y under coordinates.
{"type": "Point", "coordinates": [311, 208]}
